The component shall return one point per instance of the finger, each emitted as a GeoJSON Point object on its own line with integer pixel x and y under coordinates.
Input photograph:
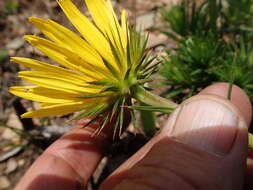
{"type": "Point", "coordinates": [238, 98]}
{"type": "Point", "coordinates": [68, 163]}
{"type": "Point", "coordinates": [249, 175]}
{"type": "Point", "coordinates": [209, 151]}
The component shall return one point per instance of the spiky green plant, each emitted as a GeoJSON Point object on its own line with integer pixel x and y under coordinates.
{"type": "Point", "coordinates": [214, 44]}
{"type": "Point", "coordinates": [211, 38]}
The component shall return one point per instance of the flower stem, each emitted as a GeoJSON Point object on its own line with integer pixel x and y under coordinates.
{"type": "Point", "coordinates": [148, 122]}
{"type": "Point", "coordinates": [144, 96]}
{"type": "Point", "coordinates": [250, 145]}
{"type": "Point", "coordinates": [151, 99]}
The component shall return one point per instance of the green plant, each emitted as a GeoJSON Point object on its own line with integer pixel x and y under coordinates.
{"type": "Point", "coordinates": [239, 12]}
{"type": "Point", "coordinates": [238, 68]}
{"type": "Point", "coordinates": [188, 18]}
{"type": "Point", "coordinates": [214, 44]}
{"type": "Point", "coordinates": [213, 47]}
{"type": "Point", "coordinates": [191, 65]}
{"type": "Point", "coordinates": [11, 7]}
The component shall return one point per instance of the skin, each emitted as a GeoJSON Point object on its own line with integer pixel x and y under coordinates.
{"type": "Point", "coordinates": [170, 160]}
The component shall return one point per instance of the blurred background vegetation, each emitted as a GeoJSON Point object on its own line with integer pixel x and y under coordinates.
{"type": "Point", "coordinates": [214, 43]}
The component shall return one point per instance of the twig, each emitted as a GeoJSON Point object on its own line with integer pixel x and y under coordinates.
{"type": "Point", "coordinates": [231, 82]}
{"type": "Point", "coordinates": [134, 8]}
{"type": "Point", "coordinates": [27, 123]}
{"type": "Point", "coordinates": [12, 153]}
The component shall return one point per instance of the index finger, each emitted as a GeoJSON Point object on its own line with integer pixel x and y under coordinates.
{"type": "Point", "coordinates": [68, 163]}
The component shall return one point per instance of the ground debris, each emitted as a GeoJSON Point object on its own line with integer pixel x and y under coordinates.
{"type": "Point", "coordinates": [11, 166]}
{"type": "Point", "coordinates": [4, 183]}
{"type": "Point", "coordinates": [15, 43]}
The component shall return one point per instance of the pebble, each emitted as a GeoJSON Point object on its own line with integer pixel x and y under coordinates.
{"type": "Point", "coordinates": [4, 183]}
{"type": "Point", "coordinates": [15, 43]}
{"type": "Point", "coordinates": [11, 166]}
{"type": "Point", "coordinates": [14, 122]}
{"type": "Point", "coordinates": [12, 52]}
{"type": "Point", "coordinates": [146, 21]}
{"type": "Point", "coordinates": [160, 48]}
{"type": "Point", "coordinates": [156, 39]}
{"type": "Point", "coordinates": [21, 162]}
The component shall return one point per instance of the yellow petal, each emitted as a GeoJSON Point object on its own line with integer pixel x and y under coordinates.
{"type": "Point", "coordinates": [103, 15]}
{"type": "Point", "coordinates": [41, 66]}
{"type": "Point", "coordinates": [124, 25]}
{"type": "Point", "coordinates": [57, 76]}
{"type": "Point", "coordinates": [56, 81]}
{"type": "Point", "coordinates": [105, 18]}
{"type": "Point", "coordinates": [40, 94]}
{"type": "Point", "coordinates": [66, 58]}
{"type": "Point", "coordinates": [46, 104]}
{"type": "Point", "coordinates": [68, 39]}
{"type": "Point", "coordinates": [123, 37]}
{"type": "Point", "coordinates": [88, 30]}
{"type": "Point", "coordinates": [54, 110]}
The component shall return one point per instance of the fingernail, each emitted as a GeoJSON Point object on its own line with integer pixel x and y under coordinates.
{"type": "Point", "coordinates": [206, 125]}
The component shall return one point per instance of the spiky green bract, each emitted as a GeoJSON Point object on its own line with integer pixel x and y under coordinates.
{"type": "Point", "coordinates": [150, 99]}
{"type": "Point", "coordinates": [153, 108]}
{"type": "Point", "coordinates": [140, 68]}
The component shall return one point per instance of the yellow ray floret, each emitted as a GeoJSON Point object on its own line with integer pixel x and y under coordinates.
{"type": "Point", "coordinates": [90, 68]}
{"type": "Point", "coordinates": [124, 24]}
{"type": "Point", "coordinates": [41, 66]}
{"type": "Point", "coordinates": [105, 18]}
{"type": "Point", "coordinates": [41, 94]}
{"type": "Point", "coordinates": [55, 81]}
{"type": "Point", "coordinates": [54, 110]}
{"type": "Point", "coordinates": [65, 57]}
{"type": "Point", "coordinates": [87, 29]}
{"type": "Point", "coordinates": [68, 39]}
{"type": "Point", "coordinates": [103, 15]}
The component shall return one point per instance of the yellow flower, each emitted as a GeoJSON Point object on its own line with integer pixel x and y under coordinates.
{"type": "Point", "coordinates": [95, 72]}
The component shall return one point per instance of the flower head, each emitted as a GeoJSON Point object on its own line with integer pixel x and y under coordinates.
{"type": "Point", "coordinates": [94, 73]}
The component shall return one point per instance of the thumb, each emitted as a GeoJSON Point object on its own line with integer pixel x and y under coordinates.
{"type": "Point", "coordinates": [203, 146]}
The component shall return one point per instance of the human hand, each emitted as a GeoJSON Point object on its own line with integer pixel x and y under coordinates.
{"type": "Point", "coordinates": [203, 146]}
